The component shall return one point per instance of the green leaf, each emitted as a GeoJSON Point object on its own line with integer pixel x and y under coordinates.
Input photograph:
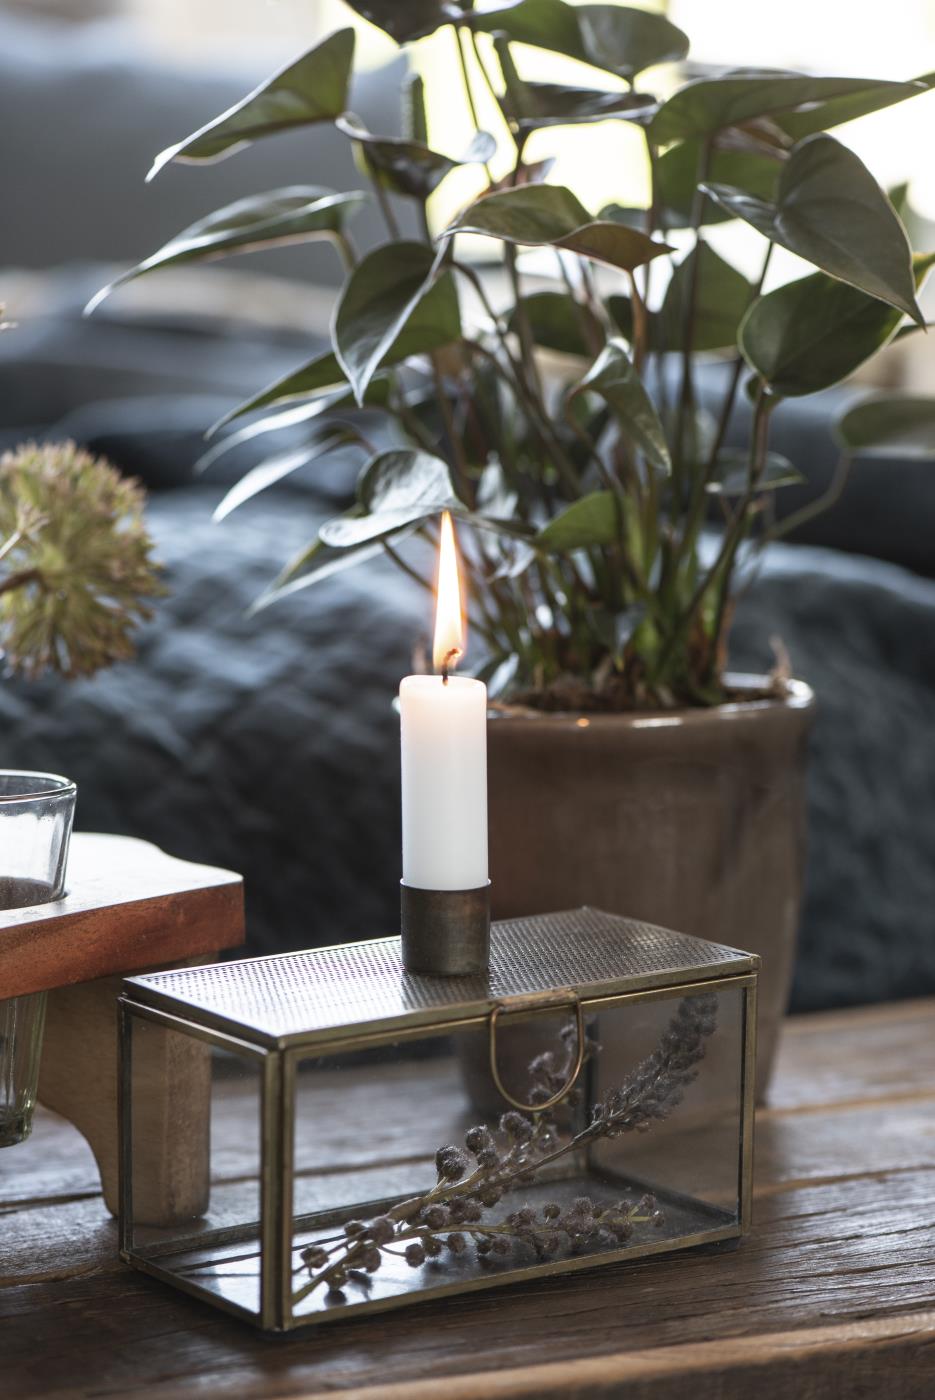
{"type": "Point", "coordinates": [418, 336]}
{"type": "Point", "coordinates": [838, 110]}
{"type": "Point", "coordinates": [276, 469]}
{"type": "Point", "coordinates": [312, 89]}
{"type": "Point", "coordinates": [531, 106]}
{"type": "Point", "coordinates": [313, 565]}
{"type": "Point", "coordinates": [396, 489]}
{"type": "Point", "coordinates": [814, 332]}
{"type": "Point", "coordinates": [732, 473]}
{"type": "Point", "coordinates": [393, 288]}
{"type": "Point", "coordinates": [621, 311]}
{"type": "Point", "coordinates": [405, 20]}
{"type": "Point", "coordinates": [274, 423]}
{"type": "Point", "coordinates": [321, 372]}
{"type": "Point", "coordinates": [594, 520]}
{"type": "Point", "coordinates": [556, 323]}
{"type": "Point", "coordinates": [296, 214]}
{"type": "Point", "coordinates": [723, 296]}
{"type": "Point", "coordinates": [534, 214]}
{"type": "Point", "coordinates": [627, 214]}
{"type": "Point", "coordinates": [711, 104]}
{"type": "Point", "coordinates": [410, 167]}
{"type": "Point", "coordinates": [677, 174]}
{"type": "Point", "coordinates": [830, 210]}
{"type": "Point", "coordinates": [613, 377]}
{"type": "Point", "coordinates": [615, 38]}
{"type": "Point", "coordinates": [415, 119]}
{"type": "Point", "coordinates": [902, 424]}
{"type": "Point", "coordinates": [539, 215]}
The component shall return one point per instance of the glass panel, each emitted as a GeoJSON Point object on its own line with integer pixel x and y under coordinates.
{"type": "Point", "coordinates": [36, 815]}
{"type": "Point", "coordinates": [195, 1164]}
{"type": "Point", "coordinates": [642, 1155]}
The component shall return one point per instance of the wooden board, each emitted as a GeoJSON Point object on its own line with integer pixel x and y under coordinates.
{"type": "Point", "coordinates": [129, 906]}
{"type": "Point", "coordinates": [833, 1295]}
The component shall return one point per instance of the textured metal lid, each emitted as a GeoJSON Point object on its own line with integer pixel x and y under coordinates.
{"type": "Point", "coordinates": [324, 994]}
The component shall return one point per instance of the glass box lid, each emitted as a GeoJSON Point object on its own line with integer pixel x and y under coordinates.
{"type": "Point", "coordinates": [322, 995]}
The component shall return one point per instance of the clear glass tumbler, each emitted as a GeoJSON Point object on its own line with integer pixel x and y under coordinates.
{"type": "Point", "coordinates": [36, 815]}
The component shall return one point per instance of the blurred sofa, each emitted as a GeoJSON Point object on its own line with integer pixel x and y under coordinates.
{"type": "Point", "coordinates": [267, 743]}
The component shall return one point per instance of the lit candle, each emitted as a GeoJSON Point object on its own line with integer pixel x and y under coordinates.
{"type": "Point", "coordinates": [444, 753]}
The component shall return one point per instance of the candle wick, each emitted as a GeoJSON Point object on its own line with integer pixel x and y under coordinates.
{"type": "Point", "coordinates": [452, 655]}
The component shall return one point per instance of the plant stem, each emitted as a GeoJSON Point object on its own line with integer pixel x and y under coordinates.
{"type": "Point", "coordinates": [732, 534]}
{"type": "Point", "coordinates": [686, 395]}
{"type": "Point", "coordinates": [346, 249]}
{"type": "Point", "coordinates": [400, 563]}
{"type": "Point", "coordinates": [828, 498]}
{"type": "Point", "coordinates": [383, 199]}
{"type": "Point", "coordinates": [11, 543]}
{"type": "Point", "coordinates": [19, 580]}
{"type": "Point", "coordinates": [468, 90]}
{"type": "Point", "coordinates": [535, 410]}
{"type": "Point", "coordinates": [727, 408]}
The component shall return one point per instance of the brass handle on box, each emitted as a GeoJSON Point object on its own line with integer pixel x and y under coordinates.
{"type": "Point", "coordinates": [550, 1004]}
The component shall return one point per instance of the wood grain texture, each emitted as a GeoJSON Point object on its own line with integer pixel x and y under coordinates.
{"type": "Point", "coordinates": [129, 906]}
{"type": "Point", "coordinates": [832, 1295]}
{"type": "Point", "coordinates": [78, 1079]}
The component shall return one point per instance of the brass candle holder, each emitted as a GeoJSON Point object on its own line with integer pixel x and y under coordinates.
{"type": "Point", "coordinates": [445, 933]}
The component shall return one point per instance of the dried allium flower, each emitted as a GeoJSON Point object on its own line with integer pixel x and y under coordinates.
{"type": "Point", "coordinates": [450, 1163]}
{"type": "Point", "coordinates": [76, 559]}
{"type": "Point", "coordinates": [478, 1139]}
{"type": "Point", "coordinates": [518, 1126]}
{"type": "Point", "coordinates": [382, 1230]}
{"type": "Point", "coordinates": [436, 1217]}
{"type": "Point", "coordinates": [526, 1144]}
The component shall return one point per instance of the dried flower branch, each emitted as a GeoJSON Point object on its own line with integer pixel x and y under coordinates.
{"type": "Point", "coordinates": [77, 561]}
{"type": "Point", "coordinates": [473, 1179]}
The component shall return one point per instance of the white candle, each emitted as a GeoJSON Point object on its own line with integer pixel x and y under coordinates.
{"type": "Point", "coordinates": [444, 754]}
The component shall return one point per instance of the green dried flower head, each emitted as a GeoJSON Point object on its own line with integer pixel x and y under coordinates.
{"type": "Point", "coordinates": [75, 561]}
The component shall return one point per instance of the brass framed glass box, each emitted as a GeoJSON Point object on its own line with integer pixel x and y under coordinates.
{"type": "Point", "coordinates": [377, 1137]}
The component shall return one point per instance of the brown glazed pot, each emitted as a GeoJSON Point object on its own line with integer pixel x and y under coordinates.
{"type": "Point", "coordinates": [694, 820]}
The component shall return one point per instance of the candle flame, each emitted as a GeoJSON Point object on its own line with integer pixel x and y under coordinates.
{"type": "Point", "coordinates": [448, 647]}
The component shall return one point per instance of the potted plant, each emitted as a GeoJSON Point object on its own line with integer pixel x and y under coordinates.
{"type": "Point", "coordinates": [561, 421]}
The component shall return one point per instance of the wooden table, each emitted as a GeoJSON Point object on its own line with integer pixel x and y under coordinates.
{"type": "Point", "coordinates": [833, 1295]}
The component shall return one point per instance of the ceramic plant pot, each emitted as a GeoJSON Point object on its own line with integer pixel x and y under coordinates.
{"type": "Point", "coordinates": [694, 820]}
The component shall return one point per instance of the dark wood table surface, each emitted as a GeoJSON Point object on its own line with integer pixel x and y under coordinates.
{"type": "Point", "coordinates": [832, 1295]}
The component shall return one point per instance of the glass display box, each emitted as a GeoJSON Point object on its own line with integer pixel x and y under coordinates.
{"type": "Point", "coordinates": [375, 1138]}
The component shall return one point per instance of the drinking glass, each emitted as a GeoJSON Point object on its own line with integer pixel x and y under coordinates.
{"type": "Point", "coordinates": [36, 815]}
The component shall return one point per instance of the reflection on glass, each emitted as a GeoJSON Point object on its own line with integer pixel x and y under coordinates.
{"type": "Point", "coordinates": [412, 1175]}
{"type": "Point", "coordinates": [36, 815]}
